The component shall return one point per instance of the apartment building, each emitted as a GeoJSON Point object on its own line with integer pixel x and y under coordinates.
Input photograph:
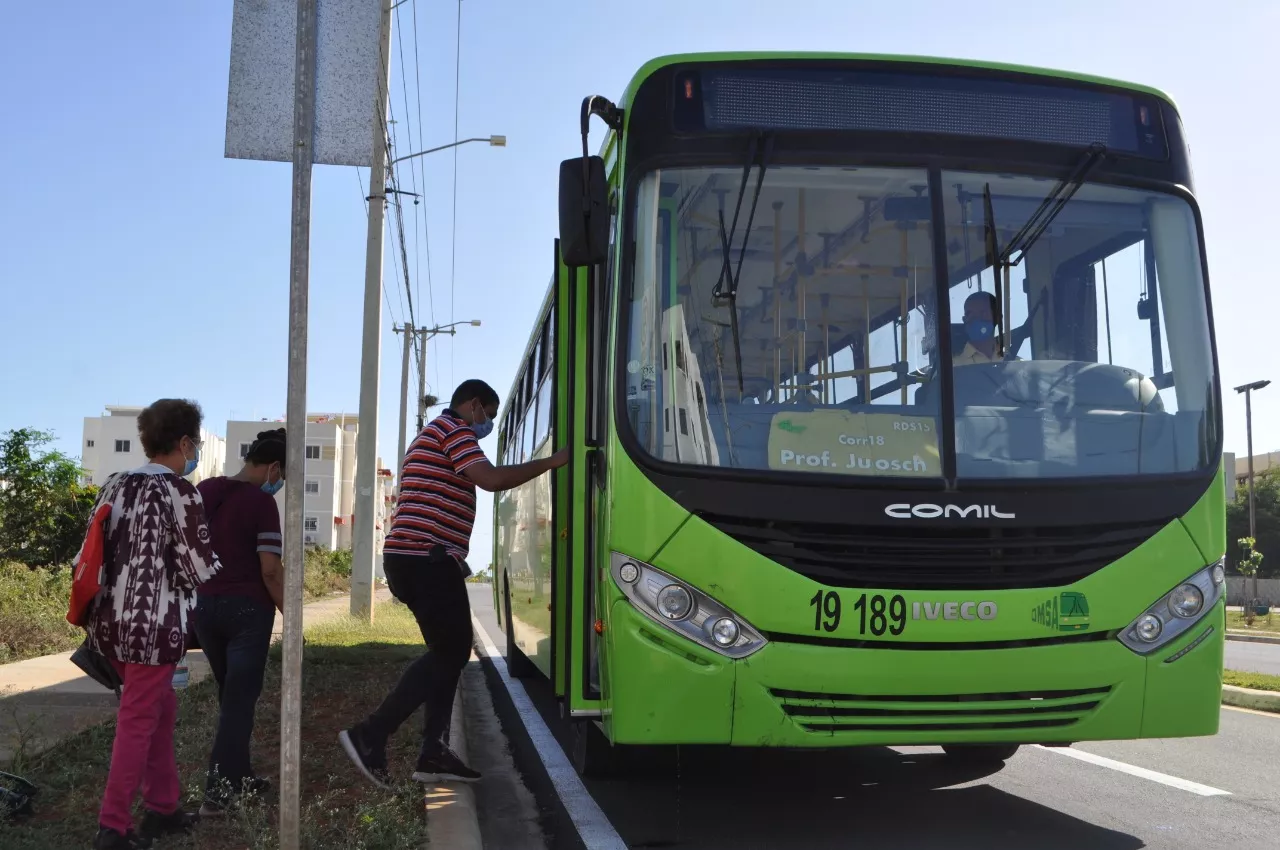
{"type": "Point", "coordinates": [329, 485]}
{"type": "Point", "coordinates": [110, 444]}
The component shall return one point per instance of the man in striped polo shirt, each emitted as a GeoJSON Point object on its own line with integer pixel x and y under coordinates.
{"type": "Point", "coordinates": [425, 561]}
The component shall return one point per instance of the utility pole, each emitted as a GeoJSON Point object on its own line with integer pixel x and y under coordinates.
{"type": "Point", "coordinates": [363, 543]}
{"type": "Point", "coordinates": [408, 331]}
{"type": "Point", "coordinates": [304, 117]}
{"type": "Point", "coordinates": [422, 382]}
{"type": "Point", "coordinates": [1248, 389]}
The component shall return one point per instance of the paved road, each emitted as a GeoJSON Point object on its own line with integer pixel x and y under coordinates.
{"type": "Point", "coordinates": [1253, 657]}
{"type": "Point", "coordinates": [1156, 793]}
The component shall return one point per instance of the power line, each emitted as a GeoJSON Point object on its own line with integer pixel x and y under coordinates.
{"type": "Point", "coordinates": [426, 234]}
{"type": "Point", "coordinates": [413, 173]}
{"type": "Point", "coordinates": [453, 250]}
{"type": "Point", "coordinates": [360, 185]}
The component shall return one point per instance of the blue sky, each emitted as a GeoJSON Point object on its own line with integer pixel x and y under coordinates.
{"type": "Point", "coordinates": [136, 262]}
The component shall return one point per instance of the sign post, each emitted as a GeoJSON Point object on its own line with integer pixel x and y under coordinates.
{"type": "Point", "coordinates": [329, 104]}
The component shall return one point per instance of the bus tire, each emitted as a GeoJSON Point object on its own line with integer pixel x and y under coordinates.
{"type": "Point", "coordinates": [593, 755]}
{"type": "Point", "coordinates": [980, 753]}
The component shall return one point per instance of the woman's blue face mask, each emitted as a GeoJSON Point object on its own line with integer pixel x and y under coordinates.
{"type": "Point", "coordinates": [271, 488]}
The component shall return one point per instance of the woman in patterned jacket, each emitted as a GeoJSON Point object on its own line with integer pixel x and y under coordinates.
{"type": "Point", "coordinates": [157, 554]}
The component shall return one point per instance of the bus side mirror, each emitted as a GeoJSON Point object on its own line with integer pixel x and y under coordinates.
{"type": "Point", "coordinates": [584, 212]}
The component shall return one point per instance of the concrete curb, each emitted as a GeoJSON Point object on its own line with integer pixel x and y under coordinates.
{"type": "Point", "coordinates": [453, 821]}
{"type": "Point", "coordinates": [1250, 698]}
{"type": "Point", "coordinates": [1248, 638]}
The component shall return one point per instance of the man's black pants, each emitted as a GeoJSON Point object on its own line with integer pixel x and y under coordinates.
{"type": "Point", "coordinates": [435, 590]}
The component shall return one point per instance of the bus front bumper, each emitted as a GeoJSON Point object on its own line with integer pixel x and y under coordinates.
{"type": "Point", "coordinates": [667, 690]}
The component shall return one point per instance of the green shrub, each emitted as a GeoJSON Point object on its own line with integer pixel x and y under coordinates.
{"type": "Point", "coordinates": [33, 610]}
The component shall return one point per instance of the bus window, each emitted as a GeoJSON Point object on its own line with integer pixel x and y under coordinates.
{"type": "Point", "coordinates": [1079, 378]}
{"type": "Point", "coordinates": [814, 357]}
{"type": "Point", "coordinates": [542, 426]}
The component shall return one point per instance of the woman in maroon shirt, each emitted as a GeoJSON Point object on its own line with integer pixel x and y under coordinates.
{"type": "Point", "coordinates": [236, 610]}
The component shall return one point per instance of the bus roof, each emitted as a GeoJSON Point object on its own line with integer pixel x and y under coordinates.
{"type": "Point", "coordinates": [688, 58]}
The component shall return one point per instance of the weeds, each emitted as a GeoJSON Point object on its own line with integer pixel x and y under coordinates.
{"type": "Point", "coordinates": [347, 667]}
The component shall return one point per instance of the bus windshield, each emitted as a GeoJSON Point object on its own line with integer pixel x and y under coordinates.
{"type": "Point", "coordinates": [812, 344]}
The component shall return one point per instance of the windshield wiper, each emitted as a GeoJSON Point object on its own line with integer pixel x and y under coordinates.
{"type": "Point", "coordinates": [1050, 206]}
{"type": "Point", "coordinates": [1036, 225]}
{"type": "Point", "coordinates": [729, 275]}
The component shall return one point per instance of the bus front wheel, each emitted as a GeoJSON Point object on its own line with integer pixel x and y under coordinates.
{"type": "Point", "coordinates": [980, 753]}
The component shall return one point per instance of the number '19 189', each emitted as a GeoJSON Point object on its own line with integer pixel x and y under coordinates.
{"type": "Point", "coordinates": [876, 613]}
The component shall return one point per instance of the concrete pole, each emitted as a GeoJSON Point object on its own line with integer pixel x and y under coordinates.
{"type": "Point", "coordinates": [408, 332]}
{"type": "Point", "coordinates": [422, 382]}
{"type": "Point", "coordinates": [1253, 531]}
{"type": "Point", "coordinates": [363, 543]}
{"type": "Point", "coordinates": [304, 103]}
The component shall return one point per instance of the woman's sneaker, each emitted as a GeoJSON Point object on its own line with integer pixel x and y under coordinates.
{"type": "Point", "coordinates": [155, 825]}
{"type": "Point", "coordinates": [109, 839]}
{"type": "Point", "coordinates": [216, 804]}
{"type": "Point", "coordinates": [444, 766]}
{"type": "Point", "coordinates": [371, 760]}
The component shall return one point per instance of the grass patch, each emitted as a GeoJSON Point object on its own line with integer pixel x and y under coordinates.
{"type": "Point", "coordinates": [1269, 623]}
{"type": "Point", "coordinates": [347, 669]}
{"type": "Point", "coordinates": [33, 612]}
{"type": "Point", "coordinates": [1257, 681]}
{"type": "Point", "coordinates": [33, 603]}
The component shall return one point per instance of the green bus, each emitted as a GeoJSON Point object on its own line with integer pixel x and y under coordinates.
{"type": "Point", "coordinates": [892, 391]}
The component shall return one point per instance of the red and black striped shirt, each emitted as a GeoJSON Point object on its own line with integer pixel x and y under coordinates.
{"type": "Point", "coordinates": [437, 504]}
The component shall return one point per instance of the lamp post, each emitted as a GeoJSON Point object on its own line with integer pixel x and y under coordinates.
{"type": "Point", "coordinates": [1248, 389]}
{"type": "Point", "coordinates": [363, 542]}
{"type": "Point", "coordinates": [492, 141]}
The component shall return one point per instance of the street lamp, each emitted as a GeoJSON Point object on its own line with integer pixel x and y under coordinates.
{"type": "Point", "coordinates": [493, 142]}
{"type": "Point", "coordinates": [1248, 389]}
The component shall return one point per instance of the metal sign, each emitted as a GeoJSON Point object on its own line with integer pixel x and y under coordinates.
{"type": "Point", "coordinates": [260, 95]}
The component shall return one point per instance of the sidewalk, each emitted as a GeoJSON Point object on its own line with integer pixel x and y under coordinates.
{"type": "Point", "coordinates": [46, 699]}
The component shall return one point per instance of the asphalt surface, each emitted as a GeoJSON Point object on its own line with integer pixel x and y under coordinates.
{"type": "Point", "coordinates": [913, 798]}
{"type": "Point", "coordinates": [1253, 657]}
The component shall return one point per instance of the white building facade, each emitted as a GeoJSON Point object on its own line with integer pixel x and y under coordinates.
{"type": "Point", "coordinates": [329, 485]}
{"type": "Point", "coordinates": [110, 444]}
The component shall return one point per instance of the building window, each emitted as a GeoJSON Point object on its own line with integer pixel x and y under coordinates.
{"type": "Point", "coordinates": [313, 452]}
{"type": "Point", "coordinates": [90, 443]}
{"type": "Point", "coordinates": [122, 446]}
{"type": "Point", "coordinates": [311, 487]}
{"type": "Point", "coordinates": [244, 450]}
{"type": "Point", "coordinates": [310, 524]}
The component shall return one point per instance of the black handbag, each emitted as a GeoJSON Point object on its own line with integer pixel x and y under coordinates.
{"type": "Point", "coordinates": [96, 666]}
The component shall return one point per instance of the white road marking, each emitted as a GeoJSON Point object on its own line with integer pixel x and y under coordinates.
{"type": "Point", "coordinates": [593, 827]}
{"type": "Point", "coordinates": [1140, 772]}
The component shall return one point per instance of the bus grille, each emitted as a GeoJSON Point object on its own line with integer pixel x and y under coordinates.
{"type": "Point", "coordinates": [937, 558]}
{"type": "Point", "coordinates": [831, 713]}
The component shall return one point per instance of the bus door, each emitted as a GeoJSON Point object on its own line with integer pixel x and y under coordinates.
{"type": "Point", "coordinates": [578, 340]}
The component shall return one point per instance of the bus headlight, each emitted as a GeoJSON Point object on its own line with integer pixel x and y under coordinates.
{"type": "Point", "coordinates": [1173, 614]}
{"type": "Point", "coordinates": [684, 609]}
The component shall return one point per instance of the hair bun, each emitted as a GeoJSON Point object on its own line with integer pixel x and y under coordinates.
{"type": "Point", "coordinates": [277, 434]}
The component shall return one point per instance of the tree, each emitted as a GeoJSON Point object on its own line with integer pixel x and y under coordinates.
{"type": "Point", "coordinates": [44, 507]}
{"type": "Point", "coordinates": [1267, 510]}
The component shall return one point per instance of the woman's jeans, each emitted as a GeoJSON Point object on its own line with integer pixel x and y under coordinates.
{"type": "Point", "coordinates": [235, 634]}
